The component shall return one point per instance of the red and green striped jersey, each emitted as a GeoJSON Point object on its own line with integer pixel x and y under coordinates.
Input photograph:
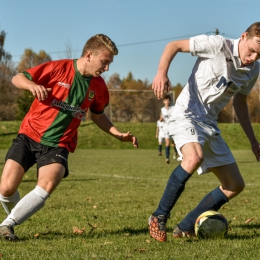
{"type": "Point", "coordinates": [55, 121]}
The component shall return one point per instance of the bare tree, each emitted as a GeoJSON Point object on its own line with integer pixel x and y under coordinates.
{"type": "Point", "coordinates": [68, 53]}
{"type": "Point", "coordinates": [8, 93]}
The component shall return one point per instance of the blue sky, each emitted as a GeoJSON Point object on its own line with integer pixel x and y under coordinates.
{"type": "Point", "coordinates": [50, 25]}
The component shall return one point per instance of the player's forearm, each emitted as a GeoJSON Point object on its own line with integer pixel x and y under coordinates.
{"type": "Point", "coordinates": [169, 53]}
{"type": "Point", "coordinates": [21, 82]}
{"type": "Point", "coordinates": [106, 125]}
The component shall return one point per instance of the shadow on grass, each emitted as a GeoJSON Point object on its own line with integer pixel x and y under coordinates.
{"type": "Point", "coordinates": [243, 237]}
{"type": "Point", "coordinates": [6, 134]}
{"type": "Point", "coordinates": [44, 236]}
{"type": "Point", "coordinates": [251, 228]}
{"type": "Point", "coordinates": [88, 234]}
{"type": "Point", "coordinates": [128, 232]}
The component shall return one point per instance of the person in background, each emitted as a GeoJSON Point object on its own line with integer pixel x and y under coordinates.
{"type": "Point", "coordinates": [160, 134]}
{"type": "Point", "coordinates": [166, 112]}
{"type": "Point", "coordinates": [175, 155]}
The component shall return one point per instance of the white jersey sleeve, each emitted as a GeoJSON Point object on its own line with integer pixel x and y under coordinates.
{"type": "Point", "coordinates": [205, 46]}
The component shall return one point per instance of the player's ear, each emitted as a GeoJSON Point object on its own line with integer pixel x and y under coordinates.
{"type": "Point", "coordinates": [244, 36]}
{"type": "Point", "coordinates": [88, 55]}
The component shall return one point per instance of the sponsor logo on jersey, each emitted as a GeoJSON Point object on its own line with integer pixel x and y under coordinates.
{"type": "Point", "coordinates": [231, 88]}
{"type": "Point", "coordinates": [77, 111]}
{"type": "Point", "coordinates": [91, 95]}
{"type": "Point", "coordinates": [65, 85]}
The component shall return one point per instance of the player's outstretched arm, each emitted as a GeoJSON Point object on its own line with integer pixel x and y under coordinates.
{"type": "Point", "coordinates": [38, 91]}
{"type": "Point", "coordinates": [106, 125]}
{"type": "Point", "coordinates": [161, 81]}
{"type": "Point", "coordinates": [241, 109]}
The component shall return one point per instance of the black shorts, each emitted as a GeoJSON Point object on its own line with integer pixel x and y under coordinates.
{"type": "Point", "coordinates": [27, 152]}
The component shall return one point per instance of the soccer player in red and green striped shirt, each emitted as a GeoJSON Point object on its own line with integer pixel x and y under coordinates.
{"type": "Point", "coordinates": [64, 90]}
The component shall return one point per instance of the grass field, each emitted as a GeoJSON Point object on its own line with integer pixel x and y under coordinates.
{"type": "Point", "coordinates": [91, 137]}
{"type": "Point", "coordinates": [108, 197]}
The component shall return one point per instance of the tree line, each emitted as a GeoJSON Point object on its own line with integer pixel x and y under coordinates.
{"type": "Point", "coordinates": [131, 100]}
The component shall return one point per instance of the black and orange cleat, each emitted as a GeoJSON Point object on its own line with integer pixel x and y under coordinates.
{"type": "Point", "coordinates": [157, 227]}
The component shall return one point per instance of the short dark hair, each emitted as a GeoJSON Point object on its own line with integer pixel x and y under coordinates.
{"type": "Point", "coordinates": [167, 97]}
{"type": "Point", "coordinates": [99, 42]}
{"type": "Point", "coordinates": [254, 30]}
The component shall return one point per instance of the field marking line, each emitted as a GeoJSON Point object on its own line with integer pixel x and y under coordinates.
{"type": "Point", "coordinates": [151, 179]}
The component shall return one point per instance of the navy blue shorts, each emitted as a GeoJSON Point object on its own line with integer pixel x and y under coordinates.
{"type": "Point", "coordinates": [27, 152]}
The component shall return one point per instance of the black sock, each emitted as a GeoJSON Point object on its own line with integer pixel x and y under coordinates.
{"type": "Point", "coordinates": [167, 152]}
{"type": "Point", "coordinates": [212, 201]}
{"type": "Point", "coordinates": [173, 190]}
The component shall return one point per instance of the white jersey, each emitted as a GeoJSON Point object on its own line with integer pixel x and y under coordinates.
{"type": "Point", "coordinates": [161, 126]}
{"type": "Point", "coordinates": [166, 114]}
{"type": "Point", "coordinates": [216, 77]}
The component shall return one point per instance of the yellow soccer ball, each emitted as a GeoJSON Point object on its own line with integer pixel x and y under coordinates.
{"type": "Point", "coordinates": [211, 224]}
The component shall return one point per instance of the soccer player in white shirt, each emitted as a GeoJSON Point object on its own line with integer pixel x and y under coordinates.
{"type": "Point", "coordinates": [160, 134]}
{"type": "Point", "coordinates": [166, 112]}
{"type": "Point", "coordinates": [224, 69]}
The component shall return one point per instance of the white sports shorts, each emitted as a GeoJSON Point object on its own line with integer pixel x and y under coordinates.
{"type": "Point", "coordinates": [215, 150]}
{"type": "Point", "coordinates": [161, 137]}
{"type": "Point", "coordinates": [166, 135]}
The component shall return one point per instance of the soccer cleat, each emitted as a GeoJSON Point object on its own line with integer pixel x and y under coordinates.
{"type": "Point", "coordinates": [178, 233]}
{"type": "Point", "coordinates": [157, 227]}
{"type": "Point", "coordinates": [7, 232]}
{"type": "Point", "coordinates": [167, 161]}
{"type": "Point", "coordinates": [160, 153]}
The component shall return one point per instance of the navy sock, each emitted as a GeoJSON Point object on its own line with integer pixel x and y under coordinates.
{"type": "Point", "coordinates": [167, 152]}
{"type": "Point", "coordinates": [160, 148]}
{"type": "Point", "coordinates": [212, 201]}
{"type": "Point", "coordinates": [172, 192]}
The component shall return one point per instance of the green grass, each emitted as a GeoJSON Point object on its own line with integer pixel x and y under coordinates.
{"type": "Point", "coordinates": [111, 193]}
{"type": "Point", "coordinates": [91, 137]}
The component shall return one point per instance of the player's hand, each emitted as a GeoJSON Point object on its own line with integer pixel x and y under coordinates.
{"type": "Point", "coordinates": [256, 150]}
{"type": "Point", "coordinates": [127, 137]}
{"type": "Point", "coordinates": [161, 82]}
{"type": "Point", "coordinates": [40, 92]}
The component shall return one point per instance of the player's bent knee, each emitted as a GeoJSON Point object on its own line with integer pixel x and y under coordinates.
{"type": "Point", "coordinates": [7, 191]}
{"type": "Point", "coordinates": [193, 162]}
{"type": "Point", "coordinates": [240, 187]}
{"type": "Point", "coordinates": [234, 190]}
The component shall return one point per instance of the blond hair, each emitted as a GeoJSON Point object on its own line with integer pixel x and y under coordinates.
{"type": "Point", "coordinates": [99, 42]}
{"type": "Point", "coordinates": [254, 30]}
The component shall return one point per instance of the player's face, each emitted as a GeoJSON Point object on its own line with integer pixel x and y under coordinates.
{"type": "Point", "coordinates": [249, 49]}
{"type": "Point", "coordinates": [99, 62]}
{"type": "Point", "coordinates": [167, 102]}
